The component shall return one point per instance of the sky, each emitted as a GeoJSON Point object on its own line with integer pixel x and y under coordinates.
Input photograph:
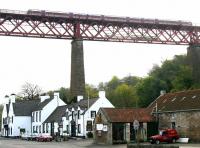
{"type": "Point", "coordinates": [46, 62]}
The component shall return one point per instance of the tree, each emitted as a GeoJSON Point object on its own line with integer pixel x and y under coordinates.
{"type": "Point", "coordinates": [30, 91]}
{"type": "Point", "coordinates": [149, 89]}
{"type": "Point", "coordinates": [124, 96]}
{"type": "Point", "coordinates": [183, 80]}
{"type": "Point", "coordinates": [91, 91]}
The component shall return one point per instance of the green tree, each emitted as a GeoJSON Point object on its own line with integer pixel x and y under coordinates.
{"type": "Point", "coordinates": [183, 79]}
{"type": "Point", "coordinates": [124, 96]}
{"type": "Point", "coordinates": [91, 91]}
{"type": "Point", "coordinates": [149, 89]}
{"type": "Point", "coordinates": [65, 95]}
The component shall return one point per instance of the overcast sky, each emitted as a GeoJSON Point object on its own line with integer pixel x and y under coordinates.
{"type": "Point", "coordinates": [46, 62]}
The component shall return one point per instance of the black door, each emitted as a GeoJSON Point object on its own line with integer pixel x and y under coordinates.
{"type": "Point", "coordinates": [73, 128]}
{"type": "Point", "coordinates": [52, 129]}
{"type": "Point", "coordinates": [118, 132]}
{"type": "Point", "coordinates": [152, 129]}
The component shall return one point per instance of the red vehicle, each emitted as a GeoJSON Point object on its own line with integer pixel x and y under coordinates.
{"type": "Point", "coordinates": [44, 138]}
{"type": "Point", "coordinates": [169, 135]}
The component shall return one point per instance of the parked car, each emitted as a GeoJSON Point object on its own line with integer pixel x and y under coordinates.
{"type": "Point", "coordinates": [44, 138]}
{"type": "Point", "coordinates": [168, 135]}
{"type": "Point", "coordinates": [26, 136]}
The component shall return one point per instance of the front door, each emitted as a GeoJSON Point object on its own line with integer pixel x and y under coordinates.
{"type": "Point", "coordinates": [52, 129]}
{"type": "Point", "coordinates": [73, 128]}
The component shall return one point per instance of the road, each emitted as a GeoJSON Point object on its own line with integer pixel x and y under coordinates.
{"type": "Point", "coordinates": [17, 143]}
{"type": "Point", "coordinates": [82, 143]}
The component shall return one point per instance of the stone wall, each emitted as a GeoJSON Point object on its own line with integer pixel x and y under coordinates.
{"type": "Point", "coordinates": [187, 123]}
{"type": "Point", "coordinates": [103, 137]}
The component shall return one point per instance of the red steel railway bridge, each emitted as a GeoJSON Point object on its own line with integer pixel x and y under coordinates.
{"type": "Point", "coordinates": [79, 27]}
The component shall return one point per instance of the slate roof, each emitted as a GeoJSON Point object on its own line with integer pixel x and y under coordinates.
{"type": "Point", "coordinates": [40, 105]}
{"type": "Point", "coordinates": [56, 116]}
{"type": "Point", "coordinates": [25, 107]}
{"type": "Point", "coordinates": [60, 111]}
{"type": "Point", "coordinates": [83, 103]}
{"type": "Point", "coordinates": [178, 101]}
{"type": "Point", "coordinates": [125, 115]}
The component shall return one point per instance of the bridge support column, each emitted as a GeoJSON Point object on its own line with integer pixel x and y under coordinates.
{"type": "Point", "coordinates": [77, 84]}
{"type": "Point", "coordinates": [193, 55]}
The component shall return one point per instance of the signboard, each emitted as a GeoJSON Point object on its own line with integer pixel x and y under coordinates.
{"type": "Point", "coordinates": [105, 128]}
{"type": "Point", "coordinates": [136, 124]}
{"type": "Point", "coordinates": [99, 127]}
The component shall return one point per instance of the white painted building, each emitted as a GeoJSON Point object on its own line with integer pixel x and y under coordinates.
{"type": "Point", "coordinates": [77, 119]}
{"type": "Point", "coordinates": [27, 116]}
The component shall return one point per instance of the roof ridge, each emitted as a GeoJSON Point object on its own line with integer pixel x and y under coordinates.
{"type": "Point", "coordinates": [185, 91]}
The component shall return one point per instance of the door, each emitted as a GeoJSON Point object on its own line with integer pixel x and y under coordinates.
{"type": "Point", "coordinates": [73, 128]}
{"type": "Point", "coordinates": [118, 132]}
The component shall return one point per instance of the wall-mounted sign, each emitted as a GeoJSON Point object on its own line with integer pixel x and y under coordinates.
{"type": "Point", "coordinates": [105, 128]}
{"type": "Point", "coordinates": [99, 127]}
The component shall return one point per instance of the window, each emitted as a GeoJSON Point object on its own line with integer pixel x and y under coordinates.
{"type": "Point", "coordinates": [72, 115]}
{"type": "Point", "coordinates": [67, 115]}
{"type": "Point", "coordinates": [33, 129]}
{"type": "Point", "coordinates": [78, 114]}
{"type": "Point", "coordinates": [36, 116]}
{"type": "Point", "coordinates": [93, 114]}
{"type": "Point", "coordinates": [12, 119]}
{"type": "Point", "coordinates": [40, 129]}
{"type": "Point", "coordinates": [67, 129]}
{"type": "Point", "coordinates": [173, 125]}
{"type": "Point", "coordinates": [89, 126]}
{"type": "Point", "coordinates": [43, 128]}
{"type": "Point", "coordinates": [36, 129]}
{"type": "Point", "coordinates": [39, 116]}
{"type": "Point", "coordinates": [79, 128]}
{"type": "Point", "coordinates": [11, 131]}
{"type": "Point", "coordinates": [33, 115]}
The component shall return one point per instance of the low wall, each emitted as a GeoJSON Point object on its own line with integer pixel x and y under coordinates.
{"type": "Point", "coordinates": [150, 146]}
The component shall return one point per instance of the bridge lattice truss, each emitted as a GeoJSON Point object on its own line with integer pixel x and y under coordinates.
{"type": "Point", "coordinates": [60, 27]}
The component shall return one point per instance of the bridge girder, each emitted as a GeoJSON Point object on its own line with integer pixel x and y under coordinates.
{"type": "Point", "coordinates": [24, 25]}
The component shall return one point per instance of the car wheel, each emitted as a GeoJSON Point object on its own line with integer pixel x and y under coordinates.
{"type": "Point", "coordinates": [157, 142]}
{"type": "Point", "coordinates": [173, 140]}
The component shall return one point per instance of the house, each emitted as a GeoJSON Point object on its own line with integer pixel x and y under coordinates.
{"type": "Point", "coordinates": [27, 116]}
{"type": "Point", "coordinates": [16, 116]}
{"type": "Point", "coordinates": [179, 110]}
{"type": "Point", "coordinates": [115, 125]}
{"type": "Point", "coordinates": [42, 111]}
{"type": "Point", "coordinates": [77, 119]}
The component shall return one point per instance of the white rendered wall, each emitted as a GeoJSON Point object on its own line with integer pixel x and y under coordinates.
{"type": "Point", "coordinates": [47, 111]}
{"type": "Point", "coordinates": [20, 122]}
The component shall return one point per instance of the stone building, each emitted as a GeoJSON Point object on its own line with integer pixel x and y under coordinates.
{"type": "Point", "coordinates": [115, 125]}
{"type": "Point", "coordinates": [181, 111]}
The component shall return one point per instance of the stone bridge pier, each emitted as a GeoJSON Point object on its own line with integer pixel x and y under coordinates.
{"type": "Point", "coordinates": [193, 56]}
{"type": "Point", "coordinates": [77, 84]}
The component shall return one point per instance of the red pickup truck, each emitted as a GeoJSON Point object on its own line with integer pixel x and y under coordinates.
{"type": "Point", "coordinates": [169, 135]}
